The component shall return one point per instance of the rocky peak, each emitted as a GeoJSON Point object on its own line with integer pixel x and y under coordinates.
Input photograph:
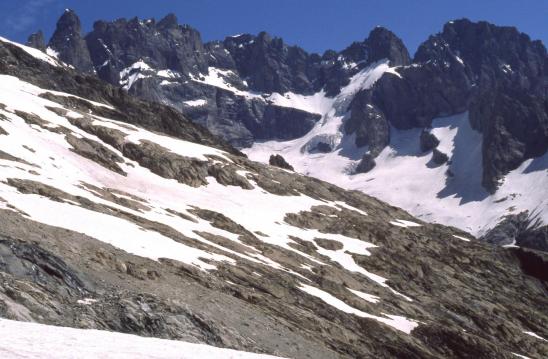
{"type": "Point", "coordinates": [68, 42]}
{"type": "Point", "coordinates": [117, 45]}
{"type": "Point", "coordinates": [37, 41]}
{"type": "Point", "coordinates": [493, 53]}
{"type": "Point", "coordinates": [384, 44]}
{"type": "Point", "coordinates": [269, 64]}
{"type": "Point", "coordinates": [379, 45]}
{"type": "Point", "coordinates": [69, 23]}
{"type": "Point", "coordinates": [170, 21]}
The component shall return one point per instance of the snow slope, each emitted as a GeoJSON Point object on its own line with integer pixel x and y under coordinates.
{"type": "Point", "coordinates": [46, 157]}
{"type": "Point", "coordinates": [33, 340]}
{"type": "Point", "coordinates": [404, 176]}
{"type": "Point", "coordinates": [49, 58]}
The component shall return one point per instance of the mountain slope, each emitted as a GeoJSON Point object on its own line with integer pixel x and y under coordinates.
{"type": "Point", "coordinates": [108, 225]}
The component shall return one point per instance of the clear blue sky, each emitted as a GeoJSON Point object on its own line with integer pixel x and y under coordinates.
{"type": "Point", "coordinates": [315, 25]}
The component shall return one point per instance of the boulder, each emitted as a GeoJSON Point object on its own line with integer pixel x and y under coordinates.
{"type": "Point", "coordinates": [428, 141]}
{"type": "Point", "coordinates": [279, 161]}
{"type": "Point", "coordinates": [366, 164]}
{"type": "Point", "coordinates": [439, 157]}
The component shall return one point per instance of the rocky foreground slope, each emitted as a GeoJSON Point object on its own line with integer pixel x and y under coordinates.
{"type": "Point", "coordinates": [461, 127]}
{"type": "Point", "coordinates": [122, 215]}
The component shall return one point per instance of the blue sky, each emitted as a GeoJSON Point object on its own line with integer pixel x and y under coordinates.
{"type": "Point", "coordinates": [315, 25]}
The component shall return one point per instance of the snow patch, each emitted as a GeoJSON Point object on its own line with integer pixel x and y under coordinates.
{"type": "Point", "coordinates": [404, 223]}
{"type": "Point", "coordinates": [398, 322]}
{"type": "Point", "coordinates": [33, 340]}
{"type": "Point", "coordinates": [535, 336]}
{"type": "Point", "coordinates": [35, 53]}
{"type": "Point", "coordinates": [365, 296]}
{"type": "Point", "coordinates": [196, 103]}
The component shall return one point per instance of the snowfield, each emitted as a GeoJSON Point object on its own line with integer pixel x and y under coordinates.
{"type": "Point", "coordinates": [31, 341]}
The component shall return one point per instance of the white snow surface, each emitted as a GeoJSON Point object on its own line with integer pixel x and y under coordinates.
{"type": "Point", "coordinates": [395, 321]}
{"type": "Point", "coordinates": [32, 341]}
{"type": "Point", "coordinates": [534, 335]}
{"type": "Point", "coordinates": [196, 103]}
{"type": "Point", "coordinates": [403, 175]}
{"type": "Point", "coordinates": [131, 74]}
{"type": "Point", "coordinates": [218, 78]}
{"type": "Point", "coordinates": [365, 296]}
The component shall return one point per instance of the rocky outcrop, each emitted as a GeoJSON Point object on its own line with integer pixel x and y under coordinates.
{"type": "Point", "coordinates": [366, 164]}
{"type": "Point", "coordinates": [368, 123]}
{"type": "Point", "coordinates": [523, 229]}
{"type": "Point", "coordinates": [269, 64]}
{"type": "Point", "coordinates": [279, 161]}
{"type": "Point", "coordinates": [162, 45]}
{"type": "Point", "coordinates": [509, 97]}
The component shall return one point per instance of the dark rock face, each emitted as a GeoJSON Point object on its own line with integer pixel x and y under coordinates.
{"type": "Point", "coordinates": [423, 92]}
{"type": "Point", "coordinates": [369, 124]}
{"type": "Point", "coordinates": [37, 41]}
{"type": "Point", "coordinates": [279, 161]}
{"type": "Point", "coordinates": [515, 128]}
{"type": "Point", "coordinates": [271, 65]}
{"type": "Point", "coordinates": [163, 45]}
{"type": "Point", "coordinates": [283, 123]}
{"type": "Point", "coordinates": [428, 141]}
{"type": "Point", "coordinates": [366, 164]}
{"type": "Point", "coordinates": [509, 98]}
{"type": "Point", "coordinates": [438, 157]}
{"type": "Point", "coordinates": [323, 147]}
{"type": "Point", "coordinates": [67, 40]}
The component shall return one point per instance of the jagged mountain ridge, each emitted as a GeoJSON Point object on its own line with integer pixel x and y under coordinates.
{"type": "Point", "coordinates": [250, 89]}
{"type": "Point", "coordinates": [167, 62]}
{"type": "Point", "coordinates": [175, 239]}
